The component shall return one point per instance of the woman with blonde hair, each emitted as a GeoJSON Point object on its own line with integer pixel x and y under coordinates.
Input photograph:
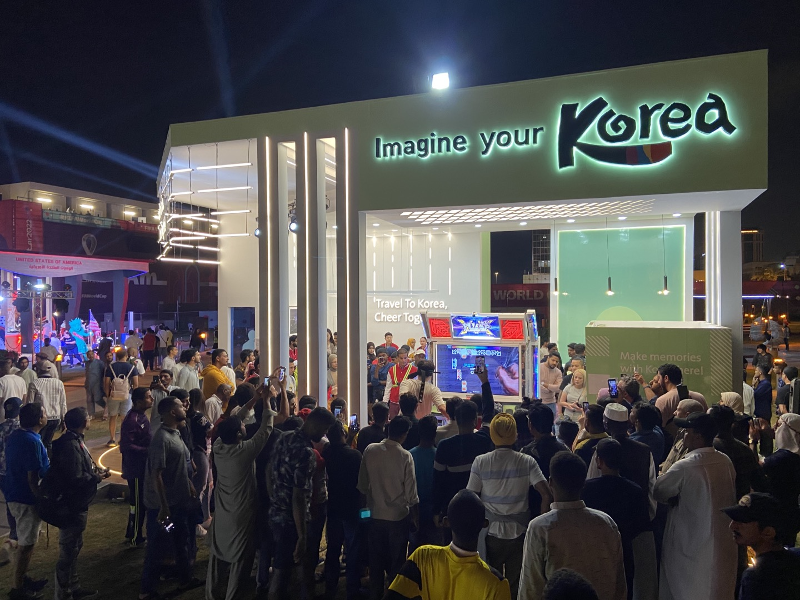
{"type": "Point", "coordinates": [573, 396]}
{"type": "Point", "coordinates": [411, 343]}
{"type": "Point", "coordinates": [333, 375]}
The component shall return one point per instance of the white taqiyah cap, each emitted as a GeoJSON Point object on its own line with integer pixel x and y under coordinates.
{"type": "Point", "coordinates": [616, 412]}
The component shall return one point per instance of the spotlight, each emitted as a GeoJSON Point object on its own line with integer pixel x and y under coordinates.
{"type": "Point", "coordinates": [440, 81]}
{"type": "Point", "coordinates": [293, 225]}
{"type": "Point", "coordinates": [5, 285]}
{"type": "Point", "coordinates": [609, 292]}
{"type": "Point", "coordinates": [257, 232]}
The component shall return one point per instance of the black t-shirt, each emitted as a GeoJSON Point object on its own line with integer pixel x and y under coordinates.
{"type": "Point", "coordinates": [373, 434]}
{"type": "Point", "coordinates": [342, 464]}
{"type": "Point", "coordinates": [412, 439]}
{"type": "Point", "coordinates": [782, 396]}
{"type": "Point", "coordinates": [775, 575]}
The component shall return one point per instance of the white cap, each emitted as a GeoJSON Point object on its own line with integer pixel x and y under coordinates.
{"type": "Point", "coordinates": [616, 412]}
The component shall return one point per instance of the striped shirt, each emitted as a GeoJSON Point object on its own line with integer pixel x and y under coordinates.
{"type": "Point", "coordinates": [502, 478]}
{"type": "Point", "coordinates": [50, 392]}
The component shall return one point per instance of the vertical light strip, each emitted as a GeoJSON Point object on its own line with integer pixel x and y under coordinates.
{"type": "Point", "coordinates": [351, 392]}
{"type": "Point", "coordinates": [309, 367]}
{"type": "Point", "coordinates": [268, 241]}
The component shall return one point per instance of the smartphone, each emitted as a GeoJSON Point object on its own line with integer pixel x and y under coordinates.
{"type": "Point", "coordinates": [336, 412]}
{"type": "Point", "coordinates": [354, 421]}
{"type": "Point", "coordinates": [480, 364]}
{"type": "Point", "coordinates": [168, 525]}
{"type": "Point", "coordinates": [266, 381]}
{"type": "Point", "coordinates": [613, 391]}
{"type": "Point", "coordinates": [586, 407]}
{"type": "Point", "coordinates": [364, 514]}
{"type": "Point", "coordinates": [282, 374]}
{"type": "Point", "coordinates": [155, 379]}
{"type": "Point", "coordinates": [683, 392]}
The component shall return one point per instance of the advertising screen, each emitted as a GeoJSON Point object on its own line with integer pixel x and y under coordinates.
{"type": "Point", "coordinates": [456, 366]}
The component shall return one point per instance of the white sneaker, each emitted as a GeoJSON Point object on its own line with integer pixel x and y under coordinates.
{"type": "Point", "coordinates": [200, 531]}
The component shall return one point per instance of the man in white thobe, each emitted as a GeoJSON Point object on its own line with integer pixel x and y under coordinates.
{"type": "Point", "coordinates": [699, 555]}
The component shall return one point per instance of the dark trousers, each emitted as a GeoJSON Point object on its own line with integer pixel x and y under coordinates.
{"type": "Point", "coordinates": [265, 546]}
{"type": "Point", "coordinates": [48, 431]}
{"type": "Point", "coordinates": [388, 543]}
{"type": "Point", "coordinates": [319, 513]}
{"type": "Point", "coordinates": [506, 557]}
{"type": "Point", "coordinates": [427, 535]}
{"type": "Point", "coordinates": [285, 540]}
{"type": "Point", "coordinates": [70, 542]}
{"type": "Point", "coordinates": [342, 532]}
{"type": "Point", "coordinates": [149, 358]}
{"type": "Point", "coordinates": [135, 529]}
{"type": "Point", "coordinates": [159, 541]}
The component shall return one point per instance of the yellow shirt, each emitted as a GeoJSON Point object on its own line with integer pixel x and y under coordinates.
{"type": "Point", "coordinates": [213, 377]}
{"type": "Point", "coordinates": [438, 573]}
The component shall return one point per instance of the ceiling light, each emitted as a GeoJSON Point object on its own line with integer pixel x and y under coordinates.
{"type": "Point", "coordinates": [477, 224]}
{"type": "Point", "coordinates": [188, 222]}
{"type": "Point", "coordinates": [207, 262]}
{"type": "Point", "coordinates": [330, 179]}
{"type": "Point", "coordinates": [621, 218]}
{"type": "Point", "coordinates": [223, 166]}
{"type": "Point", "coordinates": [44, 199]}
{"type": "Point", "coordinates": [228, 212]}
{"type": "Point", "coordinates": [403, 214]}
{"type": "Point", "coordinates": [570, 220]}
{"type": "Point", "coordinates": [440, 81]}
{"type": "Point", "coordinates": [187, 260]}
{"type": "Point", "coordinates": [181, 245]}
{"type": "Point", "coordinates": [376, 224]}
{"type": "Point", "coordinates": [156, 217]}
{"type": "Point", "coordinates": [676, 214]}
{"type": "Point", "coordinates": [87, 206]}
{"type": "Point", "coordinates": [179, 171]}
{"type": "Point", "coordinates": [226, 189]}
{"type": "Point", "coordinates": [523, 222]}
{"type": "Point", "coordinates": [129, 213]}
{"type": "Point", "coordinates": [293, 226]}
{"type": "Point", "coordinates": [335, 227]}
{"type": "Point", "coordinates": [609, 291]}
{"type": "Point", "coordinates": [214, 226]}
{"type": "Point", "coordinates": [173, 194]}
{"type": "Point", "coordinates": [209, 248]}
{"type": "Point", "coordinates": [190, 238]}
{"type": "Point", "coordinates": [435, 228]}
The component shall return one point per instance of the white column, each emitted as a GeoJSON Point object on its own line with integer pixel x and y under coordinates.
{"type": "Point", "coordinates": [724, 282]}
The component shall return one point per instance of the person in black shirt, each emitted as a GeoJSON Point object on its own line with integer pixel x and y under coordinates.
{"type": "Point", "coordinates": [543, 447]}
{"type": "Point", "coordinates": [375, 432]}
{"type": "Point", "coordinates": [344, 502]}
{"type": "Point", "coordinates": [408, 408]}
{"type": "Point", "coordinates": [619, 498]}
{"type": "Point", "coordinates": [759, 522]}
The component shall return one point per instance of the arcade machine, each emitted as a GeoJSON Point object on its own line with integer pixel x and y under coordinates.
{"type": "Point", "coordinates": [508, 343]}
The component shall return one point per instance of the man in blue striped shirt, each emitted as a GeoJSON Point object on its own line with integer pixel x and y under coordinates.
{"type": "Point", "coordinates": [502, 479]}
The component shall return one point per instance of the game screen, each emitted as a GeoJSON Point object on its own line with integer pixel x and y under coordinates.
{"type": "Point", "coordinates": [456, 367]}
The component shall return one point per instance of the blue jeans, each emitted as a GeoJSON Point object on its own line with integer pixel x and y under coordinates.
{"type": "Point", "coordinates": [158, 540]}
{"type": "Point", "coordinates": [343, 532]}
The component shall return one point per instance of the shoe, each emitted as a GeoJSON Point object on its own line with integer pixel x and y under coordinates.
{"type": "Point", "coordinates": [81, 593]}
{"type": "Point", "coordinates": [200, 531]}
{"type": "Point", "coordinates": [140, 544]}
{"type": "Point", "coordinates": [112, 444]}
{"type": "Point", "coordinates": [24, 594]}
{"type": "Point", "coordinates": [34, 585]}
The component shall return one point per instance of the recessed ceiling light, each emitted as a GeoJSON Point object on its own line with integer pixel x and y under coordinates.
{"type": "Point", "coordinates": [523, 222]}
{"type": "Point", "coordinates": [403, 214]}
{"type": "Point", "coordinates": [87, 206]}
{"type": "Point", "coordinates": [335, 227]}
{"type": "Point", "coordinates": [435, 228]}
{"type": "Point", "coordinates": [188, 221]}
{"type": "Point", "coordinates": [621, 218]}
{"type": "Point", "coordinates": [394, 229]}
{"type": "Point", "coordinates": [44, 199]}
{"type": "Point", "coordinates": [676, 214]}
{"type": "Point", "coordinates": [129, 213]}
{"type": "Point", "coordinates": [376, 224]}
{"type": "Point", "coordinates": [477, 224]}
{"type": "Point", "coordinates": [570, 220]}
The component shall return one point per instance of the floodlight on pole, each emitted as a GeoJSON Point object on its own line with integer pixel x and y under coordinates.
{"type": "Point", "coordinates": [440, 81]}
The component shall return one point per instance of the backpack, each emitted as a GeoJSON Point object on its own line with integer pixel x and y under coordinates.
{"type": "Point", "coordinates": [120, 385]}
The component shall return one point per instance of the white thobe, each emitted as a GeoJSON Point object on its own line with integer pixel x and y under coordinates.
{"type": "Point", "coordinates": [699, 555]}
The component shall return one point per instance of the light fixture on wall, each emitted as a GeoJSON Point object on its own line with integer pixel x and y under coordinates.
{"type": "Point", "coordinates": [665, 290]}
{"type": "Point", "coordinates": [609, 291]}
{"type": "Point", "coordinates": [293, 225]}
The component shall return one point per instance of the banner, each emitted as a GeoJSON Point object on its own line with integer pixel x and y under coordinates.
{"type": "Point", "coordinates": [520, 295]}
{"type": "Point", "coordinates": [43, 265]}
{"type": "Point", "coordinates": [21, 226]}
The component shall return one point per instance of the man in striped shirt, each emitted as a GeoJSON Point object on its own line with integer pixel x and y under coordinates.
{"type": "Point", "coordinates": [50, 393]}
{"type": "Point", "coordinates": [502, 478]}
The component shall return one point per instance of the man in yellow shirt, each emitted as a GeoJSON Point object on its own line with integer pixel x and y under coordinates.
{"type": "Point", "coordinates": [213, 376]}
{"type": "Point", "coordinates": [456, 571]}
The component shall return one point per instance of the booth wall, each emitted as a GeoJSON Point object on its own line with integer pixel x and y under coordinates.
{"type": "Point", "coordinates": [637, 258]}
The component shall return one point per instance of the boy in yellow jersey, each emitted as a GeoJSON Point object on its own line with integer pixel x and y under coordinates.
{"type": "Point", "coordinates": [453, 572]}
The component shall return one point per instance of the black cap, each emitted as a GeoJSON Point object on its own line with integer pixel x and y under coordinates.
{"type": "Point", "coordinates": [757, 506]}
{"type": "Point", "coordinates": [701, 422]}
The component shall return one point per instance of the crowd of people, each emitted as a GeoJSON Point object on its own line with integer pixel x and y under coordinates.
{"type": "Point", "coordinates": [651, 492]}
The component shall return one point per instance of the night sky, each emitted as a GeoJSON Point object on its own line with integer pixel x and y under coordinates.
{"type": "Point", "coordinates": [88, 89]}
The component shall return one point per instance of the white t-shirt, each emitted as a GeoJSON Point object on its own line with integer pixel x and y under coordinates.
{"type": "Point", "coordinates": [576, 396]}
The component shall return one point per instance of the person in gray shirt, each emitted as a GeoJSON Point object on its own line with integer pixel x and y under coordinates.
{"type": "Point", "coordinates": [168, 495]}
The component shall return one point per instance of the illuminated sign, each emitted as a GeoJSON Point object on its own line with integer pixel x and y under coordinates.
{"type": "Point", "coordinates": [612, 129]}
{"type": "Point", "coordinates": [476, 327]}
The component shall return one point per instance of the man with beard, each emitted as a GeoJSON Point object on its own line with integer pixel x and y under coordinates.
{"type": "Point", "coordinates": [291, 480]}
{"type": "Point", "coordinates": [167, 495]}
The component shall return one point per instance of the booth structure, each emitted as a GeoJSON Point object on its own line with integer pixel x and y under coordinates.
{"type": "Point", "coordinates": [357, 217]}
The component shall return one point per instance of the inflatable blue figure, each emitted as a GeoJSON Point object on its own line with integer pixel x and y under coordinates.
{"type": "Point", "coordinates": [80, 334]}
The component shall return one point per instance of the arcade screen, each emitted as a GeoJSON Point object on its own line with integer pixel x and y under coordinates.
{"type": "Point", "coordinates": [456, 367]}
